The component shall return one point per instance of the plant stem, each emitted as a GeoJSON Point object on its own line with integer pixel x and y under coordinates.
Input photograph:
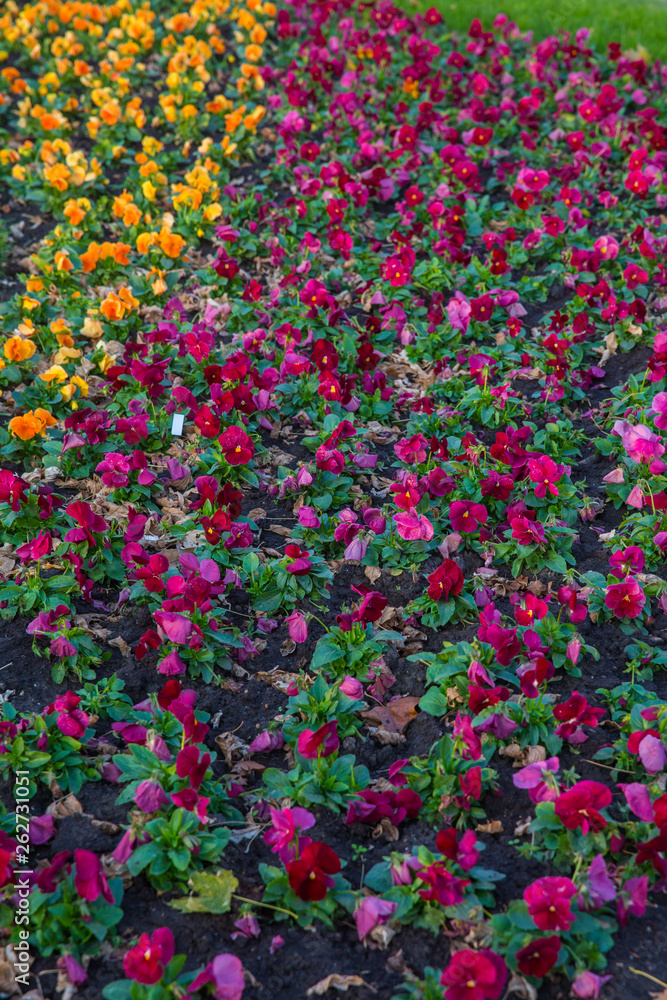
{"type": "Point", "coordinates": [638, 972]}
{"type": "Point", "coordinates": [269, 906]}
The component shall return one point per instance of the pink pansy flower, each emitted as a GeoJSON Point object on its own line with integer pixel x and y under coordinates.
{"type": "Point", "coordinates": [459, 312]}
{"type": "Point", "coordinates": [626, 561]}
{"type": "Point", "coordinates": [626, 599]}
{"type": "Point", "coordinates": [587, 985]}
{"type": "Point", "coordinates": [41, 829]}
{"type": "Point", "coordinates": [287, 823]}
{"type": "Point", "coordinates": [413, 526]}
{"type": "Point", "coordinates": [642, 445]}
{"type": "Point", "coordinates": [308, 518]}
{"type": "Point", "coordinates": [321, 742]}
{"type": "Point", "coordinates": [72, 721]}
{"type": "Point", "coordinates": [225, 973]}
{"type": "Point", "coordinates": [150, 796]}
{"type": "Point", "coordinates": [89, 879]}
{"type": "Point", "coordinates": [537, 779]}
{"type": "Point", "coordinates": [545, 473]}
{"type": "Point", "coordinates": [607, 246]}
{"type": "Point", "coordinates": [638, 799]}
{"type": "Point", "coordinates": [370, 913]}
{"type": "Point", "coordinates": [466, 516]}
{"type": "Point", "coordinates": [632, 898]}
{"type": "Point", "coordinates": [352, 687]}
{"type": "Point", "coordinates": [548, 900]}
{"type": "Point", "coordinates": [297, 626]}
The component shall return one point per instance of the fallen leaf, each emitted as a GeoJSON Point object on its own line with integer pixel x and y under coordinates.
{"type": "Point", "coordinates": [69, 805]}
{"type": "Point", "coordinates": [372, 573]}
{"type": "Point", "coordinates": [8, 984]}
{"type": "Point", "coordinates": [280, 529]}
{"type": "Point", "coordinates": [493, 826]}
{"type": "Point", "coordinates": [211, 893]}
{"type": "Point", "coordinates": [121, 645]}
{"type": "Point", "coordinates": [454, 696]}
{"type": "Point", "coordinates": [230, 685]}
{"type": "Point", "coordinates": [6, 565]}
{"type": "Point", "coordinates": [383, 934]}
{"type": "Point", "coordinates": [396, 963]}
{"type": "Point", "coordinates": [337, 982]}
{"type": "Point", "coordinates": [523, 755]}
{"type": "Point", "coordinates": [386, 738]}
{"type": "Point", "coordinates": [232, 747]}
{"type": "Point", "coordinates": [257, 514]}
{"type": "Point", "coordinates": [281, 679]}
{"type": "Point", "coordinates": [242, 770]}
{"type": "Point", "coordinates": [521, 987]}
{"type": "Point", "coordinates": [386, 829]}
{"type": "Point", "coordinates": [105, 826]}
{"type": "Point", "coordinates": [395, 716]}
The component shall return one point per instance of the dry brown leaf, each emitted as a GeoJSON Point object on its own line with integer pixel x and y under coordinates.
{"type": "Point", "coordinates": [8, 984]}
{"type": "Point", "coordinates": [121, 645]}
{"type": "Point", "coordinates": [337, 982]}
{"type": "Point", "coordinates": [257, 514]}
{"type": "Point", "coordinates": [106, 826]}
{"type": "Point", "coordinates": [372, 573]}
{"type": "Point", "coordinates": [281, 679]}
{"type": "Point", "coordinates": [383, 934]}
{"type": "Point", "coordinates": [523, 756]}
{"type": "Point", "coordinates": [386, 829]}
{"type": "Point", "coordinates": [230, 685]}
{"type": "Point", "coordinates": [449, 545]}
{"type": "Point", "coordinates": [232, 747]}
{"type": "Point", "coordinates": [521, 987]}
{"type": "Point", "coordinates": [287, 647]}
{"type": "Point", "coordinates": [385, 737]}
{"type": "Point", "coordinates": [69, 805]}
{"type": "Point", "coordinates": [280, 529]}
{"type": "Point", "coordinates": [396, 963]}
{"type": "Point", "coordinates": [609, 349]}
{"type": "Point", "coordinates": [6, 565]}
{"type": "Point", "coordinates": [91, 623]}
{"type": "Point", "coordinates": [522, 828]}
{"type": "Point", "coordinates": [493, 826]}
{"type": "Point", "coordinates": [395, 716]}
{"type": "Point", "coordinates": [244, 768]}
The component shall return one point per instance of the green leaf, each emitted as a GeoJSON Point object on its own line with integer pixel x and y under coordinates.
{"type": "Point", "coordinates": [214, 893]}
{"type": "Point", "coordinates": [325, 652]}
{"type": "Point", "coordinates": [119, 990]}
{"type": "Point", "coordinates": [434, 702]}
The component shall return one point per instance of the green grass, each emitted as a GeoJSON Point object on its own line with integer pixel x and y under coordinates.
{"type": "Point", "coordinates": [633, 23]}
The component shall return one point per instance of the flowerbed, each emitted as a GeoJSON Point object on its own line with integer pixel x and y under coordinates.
{"type": "Point", "coordinates": [333, 506]}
